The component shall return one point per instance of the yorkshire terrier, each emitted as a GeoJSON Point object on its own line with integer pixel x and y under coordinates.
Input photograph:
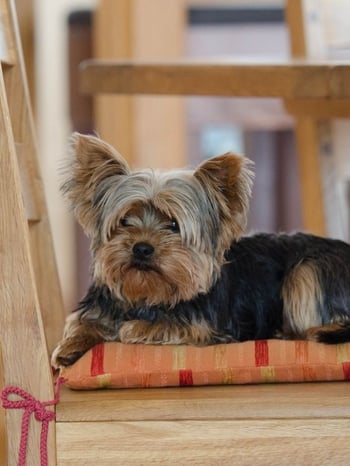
{"type": "Point", "coordinates": [170, 265]}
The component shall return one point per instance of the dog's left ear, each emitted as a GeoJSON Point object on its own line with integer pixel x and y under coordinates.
{"type": "Point", "coordinates": [228, 179]}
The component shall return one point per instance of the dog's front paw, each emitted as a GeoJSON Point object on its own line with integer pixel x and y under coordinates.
{"type": "Point", "coordinates": [136, 331]}
{"type": "Point", "coordinates": [66, 353]}
{"type": "Point", "coordinates": [161, 333]}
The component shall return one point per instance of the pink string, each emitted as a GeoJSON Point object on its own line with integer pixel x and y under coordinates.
{"type": "Point", "coordinates": [32, 405]}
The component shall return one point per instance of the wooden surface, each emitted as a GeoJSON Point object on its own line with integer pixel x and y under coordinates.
{"type": "Point", "coordinates": [315, 400]}
{"type": "Point", "coordinates": [318, 108]}
{"type": "Point", "coordinates": [296, 28]}
{"type": "Point", "coordinates": [308, 135]}
{"type": "Point", "coordinates": [244, 442]}
{"type": "Point", "coordinates": [294, 79]}
{"type": "Point", "coordinates": [25, 13]}
{"type": "Point", "coordinates": [21, 329]}
{"type": "Point", "coordinates": [22, 127]}
{"type": "Point", "coordinates": [27, 263]}
{"type": "Point", "coordinates": [3, 434]}
{"type": "Point", "coordinates": [307, 129]}
{"type": "Point", "coordinates": [278, 424]}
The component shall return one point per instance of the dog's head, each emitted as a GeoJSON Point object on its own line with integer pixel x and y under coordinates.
{"type": "Point", "coordinates": [157, 237]}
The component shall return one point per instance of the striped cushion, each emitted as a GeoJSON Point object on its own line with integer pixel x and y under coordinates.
{"type": "Point", "coordinates": [116, 365]}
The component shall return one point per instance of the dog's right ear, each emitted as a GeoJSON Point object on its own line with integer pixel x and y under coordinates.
{"type": "Point", "coordinates": [92, 161]}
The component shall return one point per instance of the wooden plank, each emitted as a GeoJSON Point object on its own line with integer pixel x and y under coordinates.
{"type": "Point", "coordinates": [307, 135]}
{"type": "Point", "coordinates": [340, 82]}
{"type": "Point", "coordinates": [244, 442]}
{"type": "Point", "coordinates": [320, 108]}
{"type": "Point", "coordinates": [22, 336]}
{"type": "Point", "coordinates": [28, 187]}
{"type": "Point", "coordinates": [220, 78]}
{"type": "Point", "coordinates": [43, 258]}
{"type": "Point", "coordinates": [3, 433]}
{"type": "Point", "coordinates": [279, 401]}
{"type": "Point", "coordinates": [297, 41]}
{"type": "Point", "coordinates": [25, 15]}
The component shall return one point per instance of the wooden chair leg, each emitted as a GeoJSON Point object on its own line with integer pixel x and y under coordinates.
{"type": "Point", "coordinates": [309, 161]}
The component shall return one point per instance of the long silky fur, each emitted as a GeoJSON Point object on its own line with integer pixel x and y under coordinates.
{"type": "Point", "coordinates": [203, 283]}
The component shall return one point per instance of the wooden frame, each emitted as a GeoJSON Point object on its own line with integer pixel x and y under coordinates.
{"type": "Point", "coordinates": [312, 91]}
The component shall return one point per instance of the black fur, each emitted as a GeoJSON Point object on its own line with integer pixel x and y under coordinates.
{"type": "Point", "coordinates": [246, 303]}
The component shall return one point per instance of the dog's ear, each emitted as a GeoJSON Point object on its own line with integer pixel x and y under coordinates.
{"type": "Point", "coordinates": [228, 181]}
{"type": "Point", "coordinates": [92, 161]}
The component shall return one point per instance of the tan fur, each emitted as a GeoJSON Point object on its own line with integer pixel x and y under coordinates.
{"type": "Point", "coordinates": [313, 333]}
{"type": "Point", "coordinates": [119, 208]}
{"type": "Point", "coordinates": [79, 336]}
{"type": "Point", "coordinates": [103, 190]}
{"type": "Point", "coordinates": [228, 178]}
{"type": "Point", "coordinates": [173, 277]}
{"type": "Point", "coordinates": [165, 333]}
{"type": "Point", "coordinates": [302, 298]}
{"type": "Point", "coordinates": [93, 161]}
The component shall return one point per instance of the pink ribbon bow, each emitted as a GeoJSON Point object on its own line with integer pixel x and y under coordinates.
{"type": "Point", "coordinates": [41, 414]}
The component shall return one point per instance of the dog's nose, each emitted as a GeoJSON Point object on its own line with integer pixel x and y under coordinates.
{"type": "Point", "coordinates": [143, 250]}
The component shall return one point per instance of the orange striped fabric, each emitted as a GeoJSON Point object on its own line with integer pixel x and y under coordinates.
{"type": "Point", "coordinates": [116, 365]}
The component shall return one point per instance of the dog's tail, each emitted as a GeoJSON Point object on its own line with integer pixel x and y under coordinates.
{"type": "Point", "coordinates": [338, 332]}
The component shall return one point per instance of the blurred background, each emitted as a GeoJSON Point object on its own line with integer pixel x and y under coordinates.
{"type": "Point", "coordinates": [169, 132]}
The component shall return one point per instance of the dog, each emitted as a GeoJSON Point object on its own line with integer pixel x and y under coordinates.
{"type": "Point", "coordinates": [170, 264]}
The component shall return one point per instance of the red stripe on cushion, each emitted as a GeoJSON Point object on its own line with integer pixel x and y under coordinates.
{"type": "Point", "coordinates": [261, 353]}
{"type": "Point", "coordinates": [346, 370]}
{"type": "Point", "coordinates": [185, 377]}
{"type": "Point", "coordinates": [97, 359]}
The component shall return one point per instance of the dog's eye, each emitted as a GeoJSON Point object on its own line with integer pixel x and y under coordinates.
{"type": "Point", "coordinates": [124, 222]}
{"type": "Point", "coordinates": [173, 226]}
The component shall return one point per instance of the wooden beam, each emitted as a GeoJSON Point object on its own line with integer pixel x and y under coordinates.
{"type": "Point", "coordinates": [307, 130]}
{"type": "Point", "coordinates": [220, 78]}
{"type": "Point", "coordinates": [319, 108]}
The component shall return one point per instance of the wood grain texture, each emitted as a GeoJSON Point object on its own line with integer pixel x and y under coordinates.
{"type": "Point", "coordinates": [21, 328]}
{"type": "Point", "coordinates": [28, 188]}
{"type": "Point", "coordinates": [245, 442]}
{"type": "Point", "coordinates": [27, 264]}
{"type": "Point", "coordinates": [26, 21]}
{"type": "Point", "coordinates": [304, 400]}
{"type": "Point", "coordinates": [218, 77]}
{"type": "Point", "coordinates": [22, 127]}
{"type": "Point", "coordinates": [3, 432]}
